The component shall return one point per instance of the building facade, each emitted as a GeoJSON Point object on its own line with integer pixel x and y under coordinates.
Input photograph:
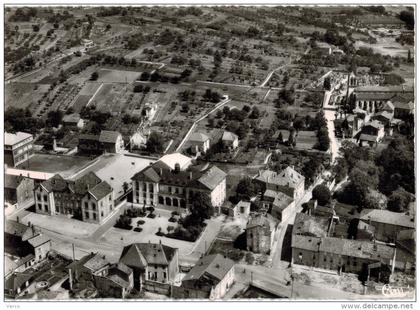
{"type": "Point", "coordinates": [18, 148]}
{"type": "Point", "coordinates": [161, 186]}
{"type": "Point", "coordinates": [87, 198]}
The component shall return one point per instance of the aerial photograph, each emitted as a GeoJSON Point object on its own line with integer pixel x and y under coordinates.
{"type": "Point", "coordinates": [209, 152]}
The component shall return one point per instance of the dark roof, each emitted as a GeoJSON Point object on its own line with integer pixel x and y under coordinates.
{"type": "Point", "coordinates": [107, 136]}
{"type": "Point", "coordinates": [17, 280]}
{"type": "Point", "coordinates": [12, 181]}
{"type": "Point", "coordinates": [214, 265]}
{"type": "Point", "coordinates": [79, 186]}
{"type": "Point", "coordinates": [160, 173]}
{"type": "Point", "coordinates": [88, 137]}
{"type": "Point", "coordinates": [140, 255]}
{"type": "Point", "coordinates": [15, 228]}
{"type": "Point", "coordinates": [100, 190]}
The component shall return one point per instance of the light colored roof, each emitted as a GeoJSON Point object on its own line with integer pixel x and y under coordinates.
{"type": "Point", "coordinates": [212, 177]}
{"type": "Point", "coordinates": [280, 200]}
{"type": "Point", "coordinates": [385, 114]}
{"type": "Point", "coordinates": [387, 217]}
{"type": "Point", "coordinates": [258, 220]}
{"type": "Point", "coordinates": [198, 137]}
{"type": "Point", "coordinates": [176, 158]}
{"type": "Point", "coordinates": [376, 124]}
{"type": "Point", "coordinates": [288, 177]}
{"type": "Point", "coordinates": [305, 242]}
{"type": "Point", "coordinates": [96, 262]}
{"type": "Point", "coordinates": [229, 136]}
{"type": "Point", "coordinates": [13, 138]}
{"type": "Point", "coordinates": [39, 240]}
{"type": "Point", "coordinates": [214, 265]}
{"type": "Point", "coordinates": [71, 118]}
{"type": "Point", "coordinates": [35, 175]}
{"type": "Point", "coordinates": [242, 203]}
{"type": "Point", "coordinates": [107, 136]}
{"type": "Point", "coordinates": [357, 248]}
{"type": "Point", "coordinates": [310, 225]}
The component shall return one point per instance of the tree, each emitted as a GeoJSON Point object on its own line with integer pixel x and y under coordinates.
{"type": "Point", "coordinates": [138, 88]}
{"type": "Point", "coordinates": [108, 27]}
{"type": "Point", "coordinates": [322, 194]}
{"type": "Point", "coordinates": [155, 143]}
{"type": "Point", "coordinates": [255, 113]}
{"type": "Point", "coordinates": [399, 200]}
{"type": "Point", "coordinates": [145, 76]}
{"type": "Point", "coordinates": [94, 76]}
{"type": "Point", "coordinates": [327, 83]}
{"type": "Point", "coordinates": [201, 208]}
{"type": "Point", "coordinates": [54, 118]}
{"type": "Point", "coordinates": [246, 189]}
{"type": "Point", "coordinates": [35, 28]}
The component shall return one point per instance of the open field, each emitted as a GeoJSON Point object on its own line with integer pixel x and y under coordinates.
{"type": "Point", "coordinates": [62, 164]}
{"type": "Point", "coordinates": [117, 76]}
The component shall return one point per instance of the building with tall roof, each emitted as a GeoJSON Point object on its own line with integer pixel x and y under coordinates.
{"type": "Point", "coordinates": [151, 262]}
{"type": "Point", "coordinates": [170, 184]}
{"type": "Point", "coordinates": [18, 148]}
{"type": "Point", "coordinates": [198, 143]}
{"type": "Point", "coordinates": [87, 198]}
{"type": "Point", "coordinates": [259, 234]}
{"type": "Point", "coordinates": [106, 142]}
{"type": "Point", "coordinates": [278, 204]}
{"type": "Point", "coordinates": [18, 189]}
{"type": "Point", "coordinates": [387, 224]}
{"type": "Point", "coordinates": [210, 278]}
{"type": "Point", "coordinates": [288, 181]}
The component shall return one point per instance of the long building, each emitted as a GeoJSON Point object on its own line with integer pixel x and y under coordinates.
{"type": "Point", "coordinates": [88, 198]}
{"type": "Point", "coordinates": [18, 148]}
{"type": "Point", "coordinates": [171, 183]}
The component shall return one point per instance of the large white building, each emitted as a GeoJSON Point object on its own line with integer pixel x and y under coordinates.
{"type": "Point", "coordinates": [171, 183]}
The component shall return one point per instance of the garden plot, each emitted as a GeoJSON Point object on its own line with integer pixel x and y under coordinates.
{"type": "Point", "coordinates": [22, 95]}
{"type": "Point", "coordinates": [117, 76]}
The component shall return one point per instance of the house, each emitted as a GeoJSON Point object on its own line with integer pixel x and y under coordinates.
{"type": "Point", "coordinates": [259, 234]}
{"type": "Point", "coordinates": [278, 204]}
{"type": "Point", "coordinates": [403, 107]}
{"type": "Point", "coordinates": [198, 143]}
{"type": "Point", "coordinates": [322, 47]}
{"type": "Point", "coordinates": [73, 121]}
{"type": "Point", "coordinates": [106, 142]}
{"type": "Point", "coordinates": [41, 246]}
{"type": "Point", "coordinates": [210, 278]}
{"type": "Point", "coordinates": [87, 198]}
{"type": "Point", "coordinates": [18, 189]}
{"type": "Point", "coordinates": [371, 133]}
{"type": "Point", "coordinates": [313, 246]}
{"type": "Point", "coordinates": [151, 262]}
{"type": "Point", "coordinates": [288, 181]}
{"type": "Point", "coordinates": [26, 244]}
{"type": "Point", "coordinates": [342, 255]}
{"type": "Point", "coordinates": [387, 224]}
{"type": "Point", "coordinates": [149, 110]}
{"type": "Point", "coordinates": [241, 209]}
{"type": "Point", "coordinates": [171, 183]}
{"type": "Point", "coordinates": [87, 43]}
{"type": "Point", "coordinates": [18, 148]}
{"type": "Point", "coordinates": [117, 283]}
{"type": "Point", "coordinates": [16, 284]}
{"type": "Point", "coordinates": [110, 280]}
{"type": "Point", "coordinates": [112, 141]}
{"type": "Point", "coordinates": [230, 140]}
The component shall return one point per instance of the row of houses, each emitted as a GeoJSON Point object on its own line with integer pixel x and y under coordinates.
{"type": "Point", "coordinates": [370, 242]}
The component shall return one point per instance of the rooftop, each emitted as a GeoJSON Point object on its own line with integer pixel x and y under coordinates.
{"type": "Point", "coordinates": [96, 262]}
{"type": "Point", "coordinates": [229, 136]}
{"type": "Point", "coordinates": [107, 136]}
{"type": "Point", "coordinates": [214, 265]}
{"type": "Point", "coordinates": [387, 217]}
{"type": "Point", "coordinates": [258, 220]}
{"type": "Point", "coordinates": [141, 255]}
{"type": "Point", "coordinates": [101, 190]}
{"type": "Point", "coordinates": [14, 138]}
{"type": "Point", "coordinates": [71, 118]}
{"type": "Point", "coordinates": [288, 177]}
{"type": "Point", "coordinates": [176, 158]}
{"type": "Point", "coordinates": [310, 225]}
{"type": "Point", "coordinates": [198, 137]}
